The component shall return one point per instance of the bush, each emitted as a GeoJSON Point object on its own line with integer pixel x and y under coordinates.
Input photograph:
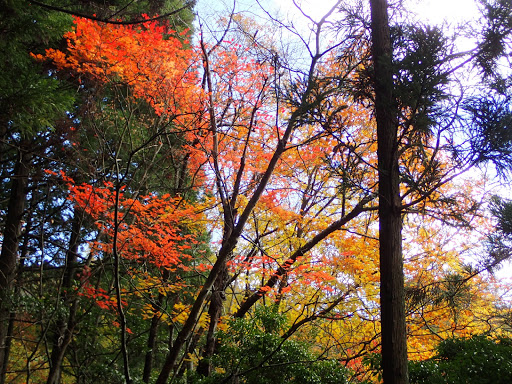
{"type": "Point", "coordinates": [253, 352]}
{"type": "Point", "coordinates": [476, 360]}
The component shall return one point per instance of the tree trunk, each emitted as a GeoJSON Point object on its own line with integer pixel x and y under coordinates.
{"type": "Point", "coordinates": [215, 312]}
{"type": "Point", "coordinates": [7, 349]}
{"type": "Point", "coordinates": [23, 252]}
{"type": "Point", "coordinates": [393, 328]}
{"type": "Point", "coordinates": [10, 243]}
{"type": "Point", "coordinates": [63, 333]}
{"type": "Point", "coordinates": [153, 331]}
{"type": "Point", "coordinates": [62, 340]}
{"type": "Point", "coordinates": [151, 343]}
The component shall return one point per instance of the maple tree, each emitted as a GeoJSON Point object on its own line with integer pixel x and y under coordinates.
{"type": "Point", "coordinates": [115, 54]}
{"type": "Point", "coordinates": [122, 57]}
{"type": "Point", "coordinates": [96, 140]}
{"type": "Point", "coordinates": [37, 108]}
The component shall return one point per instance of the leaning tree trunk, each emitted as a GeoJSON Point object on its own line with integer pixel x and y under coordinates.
{"type": "Point", "coordinates": [215, 312]}
{"type": "Point", "coordinates": [63, 333]}
{"type": "Point", "coordinates": [393, 328]}
{"type": "Point", "coordinates": [10, 244]}
{"type": "Point", "coordinates": [153, 332]}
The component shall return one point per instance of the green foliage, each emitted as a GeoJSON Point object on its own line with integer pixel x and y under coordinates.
{"type": "Point", "coordinates": [419, 76]}
{"type": "Point", "coordinates": [252, 352]}
{"type": "Point", "coordinates": [501, 209]}
{"type": "Point", "coordinates": [490, 134]}
{"type": "Point", "coordinates": [499, 243]}
{"type": "Point", "coordinates": [477, 360]}
{"type": "Point", "coordinates": [30, 98]}
{"type": "Point", "coordinates": [495, 39]}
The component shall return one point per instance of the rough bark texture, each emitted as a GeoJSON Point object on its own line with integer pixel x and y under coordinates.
{"type": "Point", "coordinates": [394, 338]}
{"type": "Point", "coordinates": [151, 343]}
{"type": "Point", "coordinates": [10, 243]}
{"type": "Point", "coordinates": [61, 344]}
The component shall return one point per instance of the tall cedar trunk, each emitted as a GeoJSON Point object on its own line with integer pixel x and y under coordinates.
{"type": "Point", "coordinates": [10, 242]}
{"type": "Point", "coordinates": [63, 332]}
{"type": "Point", "coordinates": [23, 252]}
{"type": "Point", "coordinates": [393, 328]}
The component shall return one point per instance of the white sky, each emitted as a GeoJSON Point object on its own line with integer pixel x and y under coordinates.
{"type": "Point", "coordinates": [452, 12]}
{"type": "Point", "coordinates": [434, 11]}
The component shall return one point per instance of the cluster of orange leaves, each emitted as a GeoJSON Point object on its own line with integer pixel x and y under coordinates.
{"type": "Point", "coordinates": [100, 296]}
{"type": "Point", "coordinates": [150, 58]}
{"type": "Point", "coordinates": [155, 63]}
{"type": "Point", "coordinates": [152, 229]}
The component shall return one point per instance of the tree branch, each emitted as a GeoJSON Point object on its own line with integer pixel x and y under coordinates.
{"type": "Point", "coordinates": [107, 21]}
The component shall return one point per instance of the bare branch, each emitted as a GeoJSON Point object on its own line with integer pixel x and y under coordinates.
{"type": "Point", "coordinates": [108, 20]}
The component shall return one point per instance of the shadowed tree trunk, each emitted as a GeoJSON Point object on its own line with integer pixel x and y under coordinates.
{"type": "Point", "coordinates": [63, 333]}
{"type": "Point", "coordinates": [153, 332]}
{"type": "Point", "coordinates": [10, 243]}
{"type": "Point", "coordinates": [215, 312]}
{"type": "Point", "coordinates": [393, 328]}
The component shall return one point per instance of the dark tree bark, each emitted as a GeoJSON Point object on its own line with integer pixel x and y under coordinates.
{"type": "Point", "coordinates": [62, 339]}
{"type": "Point", "coordinates": [12, 318]}
{"type": "Point", "coordinates": [393, 328]}
{"type": "Point", "coordinates": [7, 349]}
{"type": "Point", "coordinates": [63, 333]}
{"type": "Point", "coordinates": [153, 332]}
{"type": "Point", "coordinates": [151, 343]}
{"type": "Point", "coordinates": [215, 312]}
{"type": "Point", "coordinates": [10, 242]}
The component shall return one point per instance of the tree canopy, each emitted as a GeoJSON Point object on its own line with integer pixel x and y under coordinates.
{"type": "Point", "coordinates": [250, 200]}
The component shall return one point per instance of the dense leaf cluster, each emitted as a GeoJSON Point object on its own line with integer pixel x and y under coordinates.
{"type": "Point", "coordinates": [478, 360]}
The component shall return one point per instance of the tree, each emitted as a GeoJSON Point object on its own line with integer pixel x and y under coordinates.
{"type": "Point", "coordinates": [252, 351]}
{"type": "Point", "coordinates": [118, 54]}
{"type": "Point", "coordinates": [477, 359]}
{"type": "Point", "coordinates": [281, 164]}
{"type": "Point", "coordinates": [39, 112]}
{"type": "Point", "coordinates": [394, 342]}
{"type": "Point", "coordinates": [30, 103]}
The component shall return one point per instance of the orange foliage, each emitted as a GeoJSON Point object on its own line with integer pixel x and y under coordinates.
{"type": "Point", "coordinates": [155, 65]}
{"type": "Point", "coordinates": [154, 229]}
{"type": "Point", "coordinates": [326, 170]}
{"type": "Point", "coordinates": [149, 58]}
